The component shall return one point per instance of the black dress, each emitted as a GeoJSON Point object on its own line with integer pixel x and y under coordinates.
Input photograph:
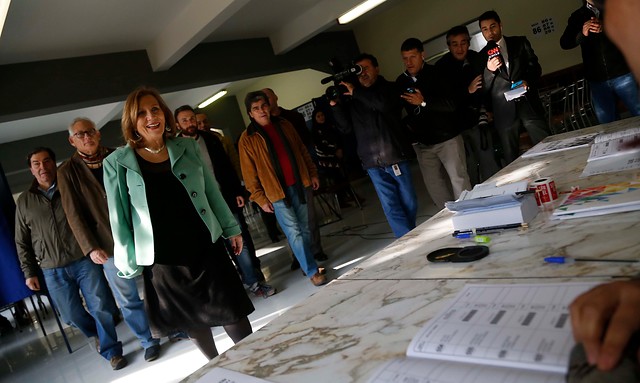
{"type": "Point", "coordinates": [192, 283]}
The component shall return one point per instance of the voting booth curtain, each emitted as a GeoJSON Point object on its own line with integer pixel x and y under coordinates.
{"type": "Point", "coordinates": [12, 286]}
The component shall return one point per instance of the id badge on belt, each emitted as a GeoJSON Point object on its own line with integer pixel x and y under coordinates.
{"type": "Point", "coordinates": [396, 170]}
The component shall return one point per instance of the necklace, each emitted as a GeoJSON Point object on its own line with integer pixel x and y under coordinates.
{"type": "Point", "coordinates": [154, 151]}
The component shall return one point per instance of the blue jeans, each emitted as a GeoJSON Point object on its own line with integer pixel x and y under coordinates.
{"type": "Point", "coordinates": [245, 260]}
{"type": "Point", "coordinates": [126, 293]}
{"type": "Point", "coordinates": [603, 96]}
{"type": "Point", "coordinates": [397, 196]}
{"type": "Point", "coordinates": [63, 284]}
{"type": "Point", "coordinates": [294, 221]}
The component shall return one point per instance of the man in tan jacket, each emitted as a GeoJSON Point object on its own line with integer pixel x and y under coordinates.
{"type": "Point", "coordinates": [278, 172]}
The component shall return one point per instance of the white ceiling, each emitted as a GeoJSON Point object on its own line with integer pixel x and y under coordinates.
{"type": "Point", "coordinates": [37, 30]}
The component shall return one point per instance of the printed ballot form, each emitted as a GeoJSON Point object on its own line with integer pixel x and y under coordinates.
{"type": "Point", "coordinates": [516, 332]}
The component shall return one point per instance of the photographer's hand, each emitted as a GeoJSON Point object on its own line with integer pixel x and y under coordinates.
{"type": "Point", "coordinates": [475, 84]}
{"type": "Point", "coordinates": [413, 98]}
{"type": "Point", "coordinates": [349, 87]}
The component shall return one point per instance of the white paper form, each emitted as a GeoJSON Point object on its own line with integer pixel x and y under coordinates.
{"type": "Point", "coordinates": [222, 375]}
{"type": "Point", "coordinates": [560, 145]}
{"type": "Point", "coordinates": [517, 325]}
{"type": "Point", "coordinates": [413, 370]}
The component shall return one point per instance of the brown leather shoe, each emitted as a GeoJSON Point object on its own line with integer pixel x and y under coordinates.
{"type": "Point", "coordinates": [318, 279]}
{"type": "Point", "coordinates": [117, 362]}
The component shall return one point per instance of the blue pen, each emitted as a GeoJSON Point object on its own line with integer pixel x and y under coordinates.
{"type": "Point", "coordinates": [516, 84]}
{"type": "Point", "coordinates": [476, 238]}
{"type": "Point", "coordinates": [572, 260]}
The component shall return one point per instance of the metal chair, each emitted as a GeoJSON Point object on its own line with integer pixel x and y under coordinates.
{"type": "Point", "coordinates": [42, 307]}
{"type": "Point", "coordinates": [570, 116]}
{"type": "Point", "coordinates": [585, 109]}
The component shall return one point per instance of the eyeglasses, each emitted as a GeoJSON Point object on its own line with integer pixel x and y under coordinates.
{"type": "Point", "coordinates": [83, 134]}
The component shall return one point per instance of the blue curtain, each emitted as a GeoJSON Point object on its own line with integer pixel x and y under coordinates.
{"type": "Point", "coordinates": [12, 287]}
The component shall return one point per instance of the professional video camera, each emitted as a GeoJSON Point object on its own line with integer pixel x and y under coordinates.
{"type": "Point", "coordinates": [349, 75]}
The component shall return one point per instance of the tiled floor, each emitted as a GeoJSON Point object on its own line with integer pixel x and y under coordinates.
{"type": "Point", "coordinates": [27, 356]}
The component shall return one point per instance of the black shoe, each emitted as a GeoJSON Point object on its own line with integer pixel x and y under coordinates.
{"type": "Point", "coordinates": [178, 336]}
{"type": "Point", "coordinates": [295, 265]}
{"type": "Point", "coordinates": [152, 353]}
{"type": "Point", "coordinates": [5, 325]}
{"type": "Point", "coordinates": [321, 256]}
{"type": "Point", "coordinates": [117, 362]}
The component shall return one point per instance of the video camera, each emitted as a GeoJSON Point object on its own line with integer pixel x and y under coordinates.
{"type": "Point", "coordinates": [349, 75]}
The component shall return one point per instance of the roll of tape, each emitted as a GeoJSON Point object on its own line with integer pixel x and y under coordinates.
{"type": "Point", "coordinates": [458, 254]}
{"type": "Point", "coordinates": [545, 189]}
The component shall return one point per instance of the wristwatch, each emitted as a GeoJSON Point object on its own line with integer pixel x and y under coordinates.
{"type": "Point", "coordinates": [423, 104]}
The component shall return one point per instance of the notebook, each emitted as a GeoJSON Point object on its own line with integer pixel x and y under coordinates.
{"type": "Point", "coordinates": [600, 200]}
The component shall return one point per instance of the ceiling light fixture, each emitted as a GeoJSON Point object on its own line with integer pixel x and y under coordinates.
{"type": "Point", "coordinates": [359, 10]}
{"type": "Point", "coordinates": [211, 99]}
{"type": "Point", "coordinates": [4, 9]}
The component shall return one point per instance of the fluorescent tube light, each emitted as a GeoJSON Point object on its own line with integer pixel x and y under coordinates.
{"type": "Point", "coordinates": [4, 9]}
{"type": "Point", "coordinates": [212, 98]}
{"type": "Point", "coordinates": [359, 10]}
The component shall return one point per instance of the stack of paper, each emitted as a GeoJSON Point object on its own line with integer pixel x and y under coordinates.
{"type": "Point", "coordinates": [515, 93]}
{"type": "Point", "coordinates": [614, 152]}
{"type": "Point", "coordinates": [560, 145]}
{"type": "Point", "coordinates": [600, 200]}
{"type": "Point", "coordinates": [488, 205]}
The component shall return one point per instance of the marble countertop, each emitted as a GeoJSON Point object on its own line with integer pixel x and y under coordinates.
{"type": "Point", "coordinates": [348, 328]}
{"type": "Point", "coordinates": [343, 333]}
{"type": "Point", "coordinates": [520, 253]}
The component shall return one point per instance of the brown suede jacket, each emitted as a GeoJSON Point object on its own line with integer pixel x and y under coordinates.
{"type": "Point", "coordinates": [258, 172]}
{"type": "Point", "coordinates": [85, 204]}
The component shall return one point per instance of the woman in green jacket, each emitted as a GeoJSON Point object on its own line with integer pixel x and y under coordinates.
{"type": "Point", "coordinates": [167, 215]}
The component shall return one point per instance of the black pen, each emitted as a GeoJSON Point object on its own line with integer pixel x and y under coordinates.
{"type": "Point", "coordinates": [490, 229]}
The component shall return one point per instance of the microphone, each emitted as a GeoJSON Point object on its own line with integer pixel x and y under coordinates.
{"type": "Point", "coordinates": [326, 80]}
{"type": "Point", "coordinates": [493, 50]}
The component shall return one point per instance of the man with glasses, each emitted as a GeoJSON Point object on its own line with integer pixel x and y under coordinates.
{"type": "Point", "coordinates": [81, 184]}
{"type": "Point", "coordinates": [605, 68]}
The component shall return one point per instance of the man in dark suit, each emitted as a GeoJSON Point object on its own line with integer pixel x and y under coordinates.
{"type": "Point", "coordinates": [215, 158]}
{"type": "Point", "coordinates": [512, 62]}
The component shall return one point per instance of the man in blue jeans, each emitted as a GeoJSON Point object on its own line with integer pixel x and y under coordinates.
{"type": "Point", "coordinates": [44, 241]}
{"type": "Point", "coordinates": [605, 68]}
{"type": "Point", "coordinates": [279, 173]}
{"type": "Point", "coordinates": [85, 205]}
{"type": "Point", "coordinates": [383, 148]}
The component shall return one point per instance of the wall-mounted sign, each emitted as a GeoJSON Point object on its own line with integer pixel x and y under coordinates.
{"type": "Point", "coordinates": [543, 27]}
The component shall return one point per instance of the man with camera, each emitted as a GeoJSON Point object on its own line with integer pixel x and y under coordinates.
{"type": "Point", "coordinates": [373, 112]}
{"type": "Point", "coordinates": [434, 123]}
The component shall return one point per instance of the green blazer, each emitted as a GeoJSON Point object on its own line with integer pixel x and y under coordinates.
{"type": "Point", "coordinates": [129, 212]}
